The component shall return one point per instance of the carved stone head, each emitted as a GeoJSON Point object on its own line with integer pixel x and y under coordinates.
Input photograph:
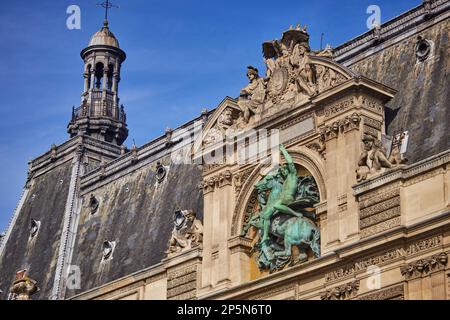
{"type": "Point", "coordinates": [252, 73]}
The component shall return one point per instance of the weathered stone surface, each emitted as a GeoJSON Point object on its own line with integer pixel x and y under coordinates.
{"type": "Point", "coordinates": [46, 203]}
{"type": "Point", "coordinates": [136, 212]}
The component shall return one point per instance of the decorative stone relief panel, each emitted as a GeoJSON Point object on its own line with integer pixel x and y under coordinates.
{"type": "Point", "coordinates": [424, 267]}
{"type": "Point", "coordinates": [393, 293]}
{"type": "Point", "coordinates": [379, 211]}
{"type": "Point", "coordinates": [182, 282]}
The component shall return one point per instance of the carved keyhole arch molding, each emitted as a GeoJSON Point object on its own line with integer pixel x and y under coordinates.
{"type": "Point", "coordinates": [302, 156]}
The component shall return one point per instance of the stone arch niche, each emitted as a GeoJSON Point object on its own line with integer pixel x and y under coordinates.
{"type": "Point", "coordinates": [247, 206]}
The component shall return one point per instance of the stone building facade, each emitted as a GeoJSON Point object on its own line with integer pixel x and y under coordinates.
{"type": "Point", "coordinates": [358, 207]}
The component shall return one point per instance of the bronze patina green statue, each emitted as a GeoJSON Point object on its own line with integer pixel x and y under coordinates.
{"type": "Point", "coordinates": [285, 217]}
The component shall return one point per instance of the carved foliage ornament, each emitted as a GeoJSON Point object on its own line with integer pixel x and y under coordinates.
{"type": "Point", "coordinates": [342, 292]}
{"type": "Point", "coordinates": [423, 267]}
{"type": "Point", "coordinates": [187, 232]}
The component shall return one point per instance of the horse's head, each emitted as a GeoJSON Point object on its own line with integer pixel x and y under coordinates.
{"type": "Point", "coordinates": [265, 184]}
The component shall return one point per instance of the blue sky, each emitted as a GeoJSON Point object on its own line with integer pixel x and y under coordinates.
{"type": "Point", "coordinates": [182, 56]}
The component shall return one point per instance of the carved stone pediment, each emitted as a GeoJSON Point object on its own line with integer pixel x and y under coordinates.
{"type": "Point", "coordinates": [225, 117]}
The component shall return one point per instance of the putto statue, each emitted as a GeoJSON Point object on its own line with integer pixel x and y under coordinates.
{"type": "Point", "coordinates": [285, 217]}
{"type": "Point", "coordinates": [374, 157]}
{"type": "Point", "coordinates": [187, 232]}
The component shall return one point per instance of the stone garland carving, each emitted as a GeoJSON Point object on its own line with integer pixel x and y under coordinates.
{"type": "Point", "coordinates": [344, 125]}
{"type": "Point", "coordinates": [187, 232]}
{"type": "Point", "coordinates": [239, 180]}
{"type": "Point", "coordinates": [285, 218]}
{"type": "Point", "coordinates": [373, 158]}
{"type": "Point", "coordinates": [319, 145]}
{"type": "Point", "coordinates": [336, 108]}
{"type": "Point", "coordinates": [291, 76]}
{"type": "Point", "coordinates": [342, 292]}
{"type": "Point", "coordinates": [23, 287]}
{"type": "Point", "coordinates": [424, 267]}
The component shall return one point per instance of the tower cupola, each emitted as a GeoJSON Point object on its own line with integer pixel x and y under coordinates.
{"type": "Point", "coordinates": [100, 113]}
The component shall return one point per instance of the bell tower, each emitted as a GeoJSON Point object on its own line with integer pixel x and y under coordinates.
{"type": "Point", "coordinates": [100, 115]}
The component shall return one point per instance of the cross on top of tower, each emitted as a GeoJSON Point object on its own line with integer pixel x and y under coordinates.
{"type": "Point", "coordinates": [107, 5]}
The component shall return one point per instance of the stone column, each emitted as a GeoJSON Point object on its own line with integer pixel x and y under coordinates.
{"type": "Point", "coordinates": [105, 78]}
{"type": "Point", "coordinates": [225, 196]}
{"type": "Point", "coordinates": [86, 81]}
{"type": "Point", "coordinates": [208, 209]}
{"type": "Point", "coordinates": [92, 79]}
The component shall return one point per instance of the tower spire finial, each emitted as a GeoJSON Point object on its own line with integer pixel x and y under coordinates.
{"type": "Point", "coordinates": [107, 5]}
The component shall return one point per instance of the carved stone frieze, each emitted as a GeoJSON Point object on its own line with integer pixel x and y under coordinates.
{"type": "Point", "coordinates": [393, 293]}
{"type": "Point", "coordinates": [343, 292]}
{"type": "Point", "coordinates": [424, 267]}
{"type": "Point", "coordinates": [373, 105]}
{"type": "Point", "coordinates": [349, 269]}
{"type": "Point", "coordinates": [337, 108]}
